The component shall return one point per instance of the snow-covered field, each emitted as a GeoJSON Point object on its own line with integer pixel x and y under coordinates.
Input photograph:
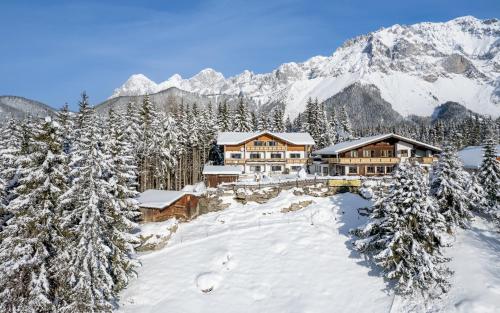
{"type": "Point", "coordinates": [254, 258]}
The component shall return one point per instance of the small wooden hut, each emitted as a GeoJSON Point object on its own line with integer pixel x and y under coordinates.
{"type": "Point", "coordinates": [217, 174]}
{"type": "Point", "coordinates": [160, 205]}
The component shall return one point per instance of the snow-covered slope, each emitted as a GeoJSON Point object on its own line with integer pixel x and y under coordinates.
{"type": "Point", "coordinates": [416, 68]}
{"type": "Point", "coordinates": [255, 258]}
{"type": "Point", "coordinates": [19, 107]}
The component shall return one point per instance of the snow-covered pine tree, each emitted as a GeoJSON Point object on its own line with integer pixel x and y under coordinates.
{"type": "Point", "coordinates": [88, 282]}
{"type": "Point", "coordinates": [10, 148]}
{"type": "Point", "coordinates": [277, 120]}
{"type": "Point", "coordinates": [449, 188]}
{"type": "Point", "coordinates": [327, 135]}
{"type": "Point", "coordinates": [489, 177]}
{"type": "Point", "coordinates": [223, 119]}
{"type": "Point", "coordinates": [66, 123]}
{"type": "Point", "coordinates": [85, 111]}
{"type": "Point", "coordinates": [133, 128]}
{"type": "Point", "coordinates": [263, 121]}
{"type": "Point", "coordinates": [168, 147]}
{"type": "Point", "coordinates": [288, 124]}
{"type": "Point", "coordinates": [255, 121]}
{"type": "Point", "coordinates": [242, 122]}
{"type": "Point", "coordinates": [309, 117]}
{"type": "Point", "coordinates": [344, 123]}
{"type": "Point", "coordinates": [3, 204]}
{"type": "Point", "coordinates": [476, 194]}
{"type": "Point", "coordinates": [297, 123]}
{"type": "Point", "coordinates": [32, 237]}
{"type": "Point", "coordinates": [123, 183]}
{"type": "Point", "coordinates": [404, 235]}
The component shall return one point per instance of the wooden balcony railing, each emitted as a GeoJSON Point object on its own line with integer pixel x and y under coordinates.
{"type": "Point", "coordinates": [265, 148]}
{"type": "Point", "coordinates": [296, 161]}
{"type": "Point", "coordinates": [266, 160]}
{"type": "Point", "coordinates": [424, 160]}
{"type": "Point", "coordinates": [364, 160]}
{"type": "Point", "coordinates": [234, 161]}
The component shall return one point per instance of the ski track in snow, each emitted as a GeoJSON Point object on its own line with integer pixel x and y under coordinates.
{"type": "Point", "coordinates": [253, 258]}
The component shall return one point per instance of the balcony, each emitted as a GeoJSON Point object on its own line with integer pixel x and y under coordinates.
{"type": "Point", "coordinates": [266, 160]}
{"type": "Point", "coordinates": [363, 160]}
{"type": "Point", "coordinates": [423, 160]}
{"type": "Point", "coordinates": [265, 148]}
{"type": "Point", "coordinates": [234, 161]}
{"type": "Point", "coordinates": [296, 161]}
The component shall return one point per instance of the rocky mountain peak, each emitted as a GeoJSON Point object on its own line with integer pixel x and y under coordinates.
{"type": "Point", "coordinates": [415, 67]}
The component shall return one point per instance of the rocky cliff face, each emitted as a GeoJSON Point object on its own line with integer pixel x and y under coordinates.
{"type": "Point", "coordinates": [415, 68]}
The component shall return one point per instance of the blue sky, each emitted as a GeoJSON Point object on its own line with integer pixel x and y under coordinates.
{"type": "Point", "coordinates": [52, 50]}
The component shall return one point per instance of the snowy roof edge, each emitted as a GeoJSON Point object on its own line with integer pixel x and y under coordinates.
{"type": "Point", "coordinates": [222, 169]}
{"type": "Point", "coordinates": [245, 136]}
{"type": "Point", "coordinates": [173, 195]}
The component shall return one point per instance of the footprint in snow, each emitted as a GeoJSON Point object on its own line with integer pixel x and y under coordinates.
{"type": "Point", "coordinates": [208, 282]}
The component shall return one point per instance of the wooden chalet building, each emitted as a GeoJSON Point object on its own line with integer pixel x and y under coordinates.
{"type": "Point", "coordinates": [160, 205]}
{"type": "Point", "coordinates": [370, 156]}
{"type": "Point", "coordinates": [266, 152]}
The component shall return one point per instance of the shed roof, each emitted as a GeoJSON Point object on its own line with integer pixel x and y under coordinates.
{"type": "Point", "coordinates": [234, 138]}
{"type": "Point", "coordinates": [222, 169]}
{"type": "Point", "coordinates": [472, 156]}
{"type": "Point", "coordinates": [159, 199]}
{"type": "Point", "coordinates": [352, 144]}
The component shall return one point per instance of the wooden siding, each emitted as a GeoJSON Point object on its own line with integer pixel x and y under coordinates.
{"type": "Point", "coordinates": [377, 148]}
{"type": "Point", "coordinates": [184, 208]}
{"type": "Point", "coordinates": [296, 148]}
{"type": "Point", "coordinates": [214, 180]}
{"type": "Point", "coordinates": [233, 148]}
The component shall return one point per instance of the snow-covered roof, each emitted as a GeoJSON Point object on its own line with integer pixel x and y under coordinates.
{"type": "Point", "coordinates": [234, 138]}
{"type": "Point", "coordinates": [222, 169]}
{"type": "Point", "coordinates": [159, 199]}
{"type": "Point", "coordinates": [353, 144]}
{"type": "Point", "coordinates": [472, 156]}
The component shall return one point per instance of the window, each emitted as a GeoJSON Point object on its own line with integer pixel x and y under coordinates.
{"type": "Point", "coordinates": [370, 169]}
{"type": "Point", "coordinates": [235, 155]}
{"type": "Point", "coordinates": [275, 155]}
{"type": "Point", "coordinates": [255, 168]}
{"type": "Point", "coordinates": [296, 168]}
{"type": "Point", "coordinates": [275, 168]}
{"type": "Point", "coordinates": [380, 170]}
{"type": "Point", "coordinates": [272, 143]}
{"type": "Point", "coordinates": [388, 169]}
{"type": "Point", "coordinates": [294, 155]}
{"type": "Point", "coordinates": [367, 153]}
{"type": "Point", "coordinates": [387, 153]}
{"type": "Point", "coordinates": [354, 153]}
{"type": "Point", "coordinates": [353, 169]}
{"type": "Point", "coordinates": [254, 155]}
{"type": "Point", "coordinates": [325, 171]}
{"type": "Point", "coordinates": [403, 153]}
{"type": "Point", "coordinates": [258, 143]}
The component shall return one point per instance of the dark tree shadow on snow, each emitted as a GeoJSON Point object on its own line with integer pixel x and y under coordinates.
{"type": "Point", "coordinates": [349, 219]}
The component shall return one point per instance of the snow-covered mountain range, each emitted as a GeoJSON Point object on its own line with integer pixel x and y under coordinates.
{"type": "Point", "coordinates": [415, 68]}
